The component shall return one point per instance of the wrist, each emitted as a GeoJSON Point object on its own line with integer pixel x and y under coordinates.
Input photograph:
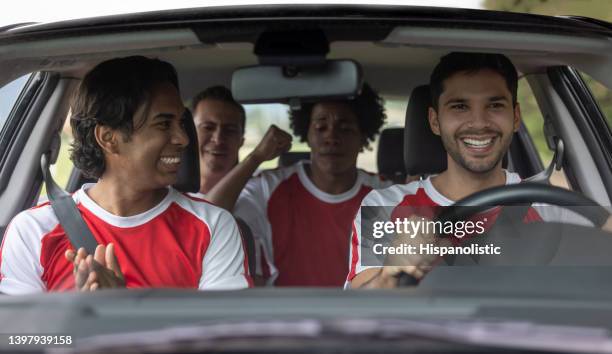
{"type": "Point", "coordinates": [254, 158]}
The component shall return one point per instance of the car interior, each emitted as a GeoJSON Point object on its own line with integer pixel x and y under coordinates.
{"type": "Point", "coordinates": [396, 58]}
{"type": "Point", "coordinates": [565, 140]}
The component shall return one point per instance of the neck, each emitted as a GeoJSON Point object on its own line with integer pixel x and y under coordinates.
{"type": "Point", "coordinates": [121, 199]}
{"type": "Point", "coordinates": [456, 182]}
{"type": "Point", "coordinates": [331, 184]}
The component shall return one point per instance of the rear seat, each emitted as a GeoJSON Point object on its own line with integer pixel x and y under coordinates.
{"type": "Point", "coordinates": [390, 156]}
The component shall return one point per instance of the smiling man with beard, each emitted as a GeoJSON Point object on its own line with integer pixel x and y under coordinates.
{"type": "Point", "coordinates": [127, 122]}
{"type": "Point", "coordinates": [301, 215]}
{"type": "Point", "coordinates": [475, 112]}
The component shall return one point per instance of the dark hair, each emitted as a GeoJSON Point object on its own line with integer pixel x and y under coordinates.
{"type": "Point", "coordinates": [109, 95]}
{"type": "Point", "coordinates": [368, 106]}
{"type": "Point", "coordinates": [453, 63]}
{"type": "Point", "coordinates": [220, 93]}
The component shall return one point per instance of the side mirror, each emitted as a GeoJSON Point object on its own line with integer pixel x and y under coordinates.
{"type": "Point", "coordinates": [283, 84]}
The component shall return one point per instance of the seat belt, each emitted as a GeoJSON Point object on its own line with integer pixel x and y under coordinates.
{"type": "Point", "coordinates": [67, 213]}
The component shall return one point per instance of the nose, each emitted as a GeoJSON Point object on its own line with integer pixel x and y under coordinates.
{"type": "Point", "coordinates": [180, 137]}
{"type": "Point", "coordinates": [216, 136]}
{"type": "Point", "coordinates": [479, 118]}
{"type": "Point", "coordinates": [332, 134]}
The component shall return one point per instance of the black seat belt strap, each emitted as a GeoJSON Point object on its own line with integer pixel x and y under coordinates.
{"type": "Point", "coordinates": [67, 213]}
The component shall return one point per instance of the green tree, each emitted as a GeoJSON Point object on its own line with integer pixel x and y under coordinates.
{"type": "Point", "coordinates": [600, 9]}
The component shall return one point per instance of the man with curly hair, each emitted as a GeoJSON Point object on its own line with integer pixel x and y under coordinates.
{"type": "Point", "coordinates": [301, 215]}
{"type": "Point", "coordinates": [127, 122]}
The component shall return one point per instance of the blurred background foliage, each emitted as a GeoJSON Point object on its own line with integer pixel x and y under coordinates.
{"type": "Point", "coordinates": [598, 9]}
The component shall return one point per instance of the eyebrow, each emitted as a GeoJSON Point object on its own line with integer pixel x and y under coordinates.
{"type": "Point", "coordinates": [498, 98]}
{"type": "Point", "coordinates": [455, 100]}
{"type": "Point", "coordinates": [164, 116]}
{"type": "Point", "coordinates": [463, 100]}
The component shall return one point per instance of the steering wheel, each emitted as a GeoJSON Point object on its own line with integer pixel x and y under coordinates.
{"type": "Point", "coordinates": [525, 193]}
{"type": "Point", "coordinates": [518, 194]}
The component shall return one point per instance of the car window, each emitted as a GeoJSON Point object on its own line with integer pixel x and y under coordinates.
{"type": "Point", "coordinates": [534, 121]}
{"type": "Point", "coordinates": [8, 96]}
{"type": "Point", "coordinates": [261, 116]}
{"type": "Point", "coordinates": [602, 95]}
{"type": "Point", "coordinates": [63, 166]}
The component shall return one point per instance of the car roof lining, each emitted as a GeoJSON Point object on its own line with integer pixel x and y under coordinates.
{"type": "Point", "coordinates": [408, 51]}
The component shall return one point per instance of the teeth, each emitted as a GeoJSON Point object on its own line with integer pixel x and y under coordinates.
{"type": "Point", "coordinates": [171, 160]}
{"type": "Point", "coordinates": [475, 142]}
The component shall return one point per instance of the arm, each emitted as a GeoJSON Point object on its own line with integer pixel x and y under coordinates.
{"type": "Point", "coordinates": [226, 192]}
{"type": "Point", "coordinates": [224, 265]}
{"type": "Point", "coordinates": [385, 275]}
{"type": "Point", "coordinates": [20, 268]}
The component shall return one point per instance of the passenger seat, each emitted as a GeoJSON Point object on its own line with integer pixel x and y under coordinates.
{"type": "Point", "coordinates": [390, 156]}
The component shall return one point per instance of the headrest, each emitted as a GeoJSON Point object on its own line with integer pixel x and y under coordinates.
{"type": "Point", "coordinates": [291, 157]}
{"type": "Point", "coordinates": [188, 179]}
{"type": "Point", "coordinates": [423, 150]}
{"type": "Point", "coordinates": [424, 153]}
{"type": "Point", "coordinates": [390, 157]}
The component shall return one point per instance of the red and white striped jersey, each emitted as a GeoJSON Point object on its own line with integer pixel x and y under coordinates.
{"type": "Point", "coordinates": [182, 242]}
{"type": "Point", "coordinates": [422, 193]}
{"type": "Point", "coordinates": [302, 233]}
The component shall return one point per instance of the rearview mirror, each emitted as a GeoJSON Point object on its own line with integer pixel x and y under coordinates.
{"type": "Point", "coordinates": [281, 84]}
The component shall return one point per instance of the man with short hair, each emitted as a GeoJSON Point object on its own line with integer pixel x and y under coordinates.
{"type": "Point", "coordinates": [220, 123]}
{"type": "Point", "coordinates": [475, 112]}
{"type": "Point", "coordinates": [301, 215]}
{"type": "Point", "coordinates": [127, 122]}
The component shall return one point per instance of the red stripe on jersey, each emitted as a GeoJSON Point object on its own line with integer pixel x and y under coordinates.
{"type": "Point", "coordinates": [197, 199]}
{"type": "Point", "coordinates": [355, 254]}
{"type": "Point", "coordinates": [2, 248]}
{"type": "Point", "coordinates": [41, 205]}
{"type": "Point", "coordinates": [309, 236]}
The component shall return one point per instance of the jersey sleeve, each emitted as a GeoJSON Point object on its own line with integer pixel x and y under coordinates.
{"type": "Point", "coordinates": [357, 242]}
{"type": "Point", "coordinates": [251, 208]}
{"type": "Point", "coordinates": [225, 265]}
{"type": "Point", "coordinates": [20, 268]}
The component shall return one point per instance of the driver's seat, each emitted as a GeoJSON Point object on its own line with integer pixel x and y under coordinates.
{"type": "Point", "coordinates": [424, 153]}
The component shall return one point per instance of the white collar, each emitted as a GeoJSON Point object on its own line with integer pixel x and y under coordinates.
{"type": "Point", "coordinates": [323, 196]}
{"type": "Point", "coordinates": [123, 221]}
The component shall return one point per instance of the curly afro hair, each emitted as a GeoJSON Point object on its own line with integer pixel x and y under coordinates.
{"type": "Point", "coordinates": [368, 106]}
{"type": "Point", "coordinates": [109, 95]}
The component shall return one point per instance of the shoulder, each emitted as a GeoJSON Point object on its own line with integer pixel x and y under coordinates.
{"type": "Point", "coordinates": [41, 217]}
{"type": "Point", "coordinates": [33, 224]}
{"type": "Point", "coordinates": [373, 180]}
{"type": "Point", "coordinates": [392, 195]}
{"type": "Point", "coordinates": [512, 177]}
{"type": "Point", "coordinates": [277, 174]}
{"type": "Point", "coordinates": [266, 181]}
{"type": "Point", "coordinates": [204, 210]}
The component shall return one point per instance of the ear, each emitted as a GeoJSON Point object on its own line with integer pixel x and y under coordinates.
{"type": "Point", "coordinates": [434, 124]}
{"type": "Point", "coordinates": [517, 117]}
{"type": "Point", "coordinates": [106, 137]}
{"type": "Point", "coordinates": [241, 142]}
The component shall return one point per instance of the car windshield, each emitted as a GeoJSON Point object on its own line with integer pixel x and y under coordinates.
{"type": "Point", "coordinates": [280, 177]}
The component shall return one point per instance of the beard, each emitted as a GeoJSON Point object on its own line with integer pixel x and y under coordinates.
{"type": "Point", "coordinates": [476, 165]}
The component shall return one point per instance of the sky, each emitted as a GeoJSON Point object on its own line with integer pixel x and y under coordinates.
{"type": "Point", "coordinates": [57, 10]}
